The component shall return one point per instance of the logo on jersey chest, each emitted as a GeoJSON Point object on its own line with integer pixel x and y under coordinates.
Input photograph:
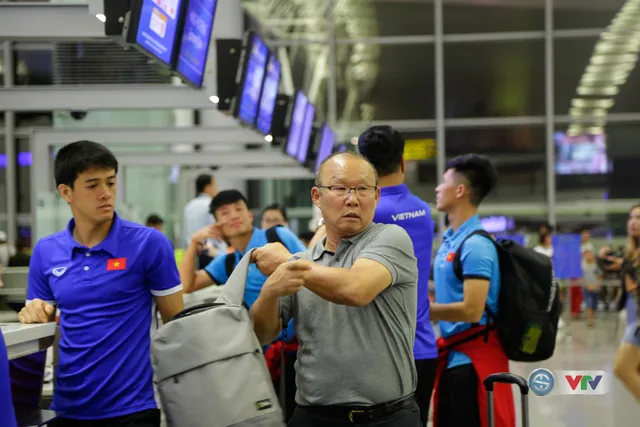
{"type": "Point", "coordinates": [450, 256]}
{"type": "Point", "coordinates": [59, 271]}
{"type": "Point", "coordinates": [116, 264]}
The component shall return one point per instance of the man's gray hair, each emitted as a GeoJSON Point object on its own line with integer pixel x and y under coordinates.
{"type": "Point", "coordinates": [344, 153]}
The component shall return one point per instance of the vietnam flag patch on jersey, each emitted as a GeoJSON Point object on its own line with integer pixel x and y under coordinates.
{"type": "Point", "coordinates": [115, 264]}
{"type": "Point", "coordinates": [450, 256]}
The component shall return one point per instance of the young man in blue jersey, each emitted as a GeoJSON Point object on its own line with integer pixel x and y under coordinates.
{"type": "Point", "coordinates": [384, 147]}
{"type": "Point", "coordinates": [102, 272]}
{"type": "Point", "coordinates": [461, 303]}
{"type": "Point", "coordinates": [234, 224]}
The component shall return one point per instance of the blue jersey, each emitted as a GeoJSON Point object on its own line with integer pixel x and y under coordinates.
{"type": "Point", "coordinates": [7, 415]}
{"type": "Point", "coordinates": [255, 279]}
{"type": "Point", "coordinates": [104, 295]}
{"type": "Point", "coordinates": [398, 206]}
{"type": "Point", "coordinates": [479, 260]}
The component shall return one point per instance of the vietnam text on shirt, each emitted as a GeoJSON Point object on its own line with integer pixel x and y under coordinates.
{"type": "Point", "coordinates": [479, 259]}
{"type": "Point", "coordinates": [398, 206]}
{"type": "Point", "coordinates": [104, 295]}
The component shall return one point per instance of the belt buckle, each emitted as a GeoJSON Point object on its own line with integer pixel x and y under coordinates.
{"type": "Point", "coordinates": [354, 411]}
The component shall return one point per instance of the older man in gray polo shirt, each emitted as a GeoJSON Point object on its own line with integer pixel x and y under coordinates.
{"type": "Point", "coordinates": [353, 298]}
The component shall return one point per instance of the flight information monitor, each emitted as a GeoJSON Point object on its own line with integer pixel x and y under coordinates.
{"type": "Point", "coordinates": [269, 94]}
{"type": "Point", "coordinates": [327, 139]}
{"type": "Point", "coordinates": [254, 63]}
{"type": "Point", "coordinates": [296, 124]}
{"type": "Point", "coordinates": [194, 46]}
{"type": "Point", "coordinates": [305, 134]}
{"type": "Point", "coordinates": [155, 26]}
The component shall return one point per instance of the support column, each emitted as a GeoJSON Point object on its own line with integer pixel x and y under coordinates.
{"type": "Point", "coordinates": [10, 149]}
{"type": "Point", "coordinates": [229, 24]}
{"type": "Point", "coordinates": [440, 129]}
{"type": "Point", "coordinates": [549, 113]}
{"type": "Point", "coordinates": [332, 96]}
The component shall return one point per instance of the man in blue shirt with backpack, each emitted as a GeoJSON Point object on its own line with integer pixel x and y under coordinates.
{"type": "Point", "coordinates": [461, 303]}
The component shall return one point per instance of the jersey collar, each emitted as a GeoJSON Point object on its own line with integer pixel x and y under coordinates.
{"type": "Point", "coordinates": [319, 249]}
{"type": "Point", "coordinates": [110, 244]}
{"type": "Point", "coordinates": [394, 189]}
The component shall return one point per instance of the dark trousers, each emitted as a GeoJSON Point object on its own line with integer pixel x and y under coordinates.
{"type": "Point", "coordinates": [148, 418]}
{"type": "Point", "coordinates": [302, 417]}
{"type": "Point", "coordinates": [426, 369]}
{"type": "Point", "coordinates": [458, 398]}
{"type": "Point", "coordinates": [289, 385]}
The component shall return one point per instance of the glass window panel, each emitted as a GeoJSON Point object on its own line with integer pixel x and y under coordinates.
{"type": "Point", "coordinates": [519, 155]}
{"type": "Point", "coordinates": [309, 72]}
{"type": "Point", "coordinates": [463, 16]}
{"type": "Point", "coordinates": [377, 83]}
{"type": "Point", "coordinates": [572, 57]}
{"type": "Point", "coordinates": [494, 79]}
{"type": "Point", "coordinates": [33, 67]}
{"type": "Point", "coordinates": [570, 14]}
{"type": "Point", "coordinates": [381, 18]}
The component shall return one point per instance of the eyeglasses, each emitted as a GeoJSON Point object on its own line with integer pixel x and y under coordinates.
{"type": "Point", "coordinates": [361, 191]}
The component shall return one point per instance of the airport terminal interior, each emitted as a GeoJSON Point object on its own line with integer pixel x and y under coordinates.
{"type": "Point", "coordinates": [547, 89]}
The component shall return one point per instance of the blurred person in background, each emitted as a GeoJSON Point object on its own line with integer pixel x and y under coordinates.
{"type": "Point", "coordinates": [305, 237]}
{"type": "Point", "coordinates": [154, 221]}
{"type": "Point", "coordinates": [545, 244]}
{"type": "Point", "coordinates": [585, 242]}
{"type": "Point", "coordinates": [5, 252]}
{"type": "Point", "coordinates": [274, 214]}
{"type": "Point", "coordinates": [196, 216]}
{"type": "Point", "coordinates": [627, 363]}
{"type": "Point", "coordinates": [21, 257]}
{"type": "Point", "coordinates": [592, 280]}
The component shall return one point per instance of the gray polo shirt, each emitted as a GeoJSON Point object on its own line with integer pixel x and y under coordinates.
{"type": "Point", "coordinates": [358, 355]}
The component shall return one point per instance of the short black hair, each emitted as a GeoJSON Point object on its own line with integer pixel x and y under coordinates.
{"type": "Point", "coordinates": [202, 181]}
{"type": "Point", "coordinates": [277, 207]}
{"type": "Point", "coordinates": [80, 156]}
{"type": "Point", "coordinates": [479, 172]}
{"type": "Point", "coordinates": [154, 219]}
{"type": "Point", "coordinates": [383, 146]}
{"type": "Point", "coordinates": [224, 198]}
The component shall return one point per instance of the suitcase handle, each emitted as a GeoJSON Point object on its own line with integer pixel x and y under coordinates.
{"type": "Point", "coordinates": [506, 377]}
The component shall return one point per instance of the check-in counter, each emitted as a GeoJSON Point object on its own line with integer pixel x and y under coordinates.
{"type": "Point", "coordinates": [23, 340]}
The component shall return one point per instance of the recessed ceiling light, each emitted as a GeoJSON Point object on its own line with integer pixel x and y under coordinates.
{"type": "Point", "coordinates": [214, 99]}
{"type": "Point", "coordinates": [101, 17]}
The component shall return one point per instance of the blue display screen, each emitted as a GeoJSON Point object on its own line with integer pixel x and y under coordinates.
{"type": "Point", "coordinates": [327, 140]}
{"type": "Point", "coordinates": [305, 134]}
{"type": "Point", "coordinates": [157, 27]}
{"type": "Point", "coordinates": [194, 47]}
{"type": "Point", "coordinates": [269, 93]}
{"type": "Point", "coordinates": [297, 120]}
{"type": "Point", "coordinates": [256, 64]}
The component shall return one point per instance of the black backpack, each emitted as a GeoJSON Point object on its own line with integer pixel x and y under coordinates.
{"type": "Point", "coordinates": [528, 303]}
{"type": "Point", "coordinates": [230, 260]}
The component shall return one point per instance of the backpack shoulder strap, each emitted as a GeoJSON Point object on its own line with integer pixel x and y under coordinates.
{"type": "Point", "coordinates": [230, 263]}
{"type": "Point", "coordinates": [272, 235]}
{"type": "Point", "coordinates": [457, 261]}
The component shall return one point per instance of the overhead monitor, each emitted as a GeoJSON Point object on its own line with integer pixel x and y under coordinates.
{"type": "Point", "coordinates": [253, 64]}
{"type": "Point", "coordinates": [327, 139]}
{"type": "Point", "coordinates": [192, 54]}
{"type": "Point", "coordinates": [581, 155]}
{"type": "Point", "coordinates": [296, 123]}
{"type": "Point", "coordinates": [305, 134]}
{"type": "Point", "coordinates": [269, 94]}
{"type": "Point", "coordinates": [153, 27]}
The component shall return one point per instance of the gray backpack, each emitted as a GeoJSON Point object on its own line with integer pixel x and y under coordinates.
{"type": "Point", "coordinates": [209, 367]}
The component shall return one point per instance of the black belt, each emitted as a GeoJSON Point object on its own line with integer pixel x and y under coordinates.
{"type": "Point", "coordinates": [362, 414]}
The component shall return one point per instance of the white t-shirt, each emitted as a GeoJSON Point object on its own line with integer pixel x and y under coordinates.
{"type": "Point", "coordinates": [544, 251]}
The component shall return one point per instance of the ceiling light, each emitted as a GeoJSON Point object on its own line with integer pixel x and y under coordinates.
{"type": "Point", "coordinates": [214, 99]}
{"type": "Point", "coordinates": [354, 140]}
{"type": "Point", "coordinates": [101, 17]}
{"type": "Point", "coordinates": [268, 138]}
